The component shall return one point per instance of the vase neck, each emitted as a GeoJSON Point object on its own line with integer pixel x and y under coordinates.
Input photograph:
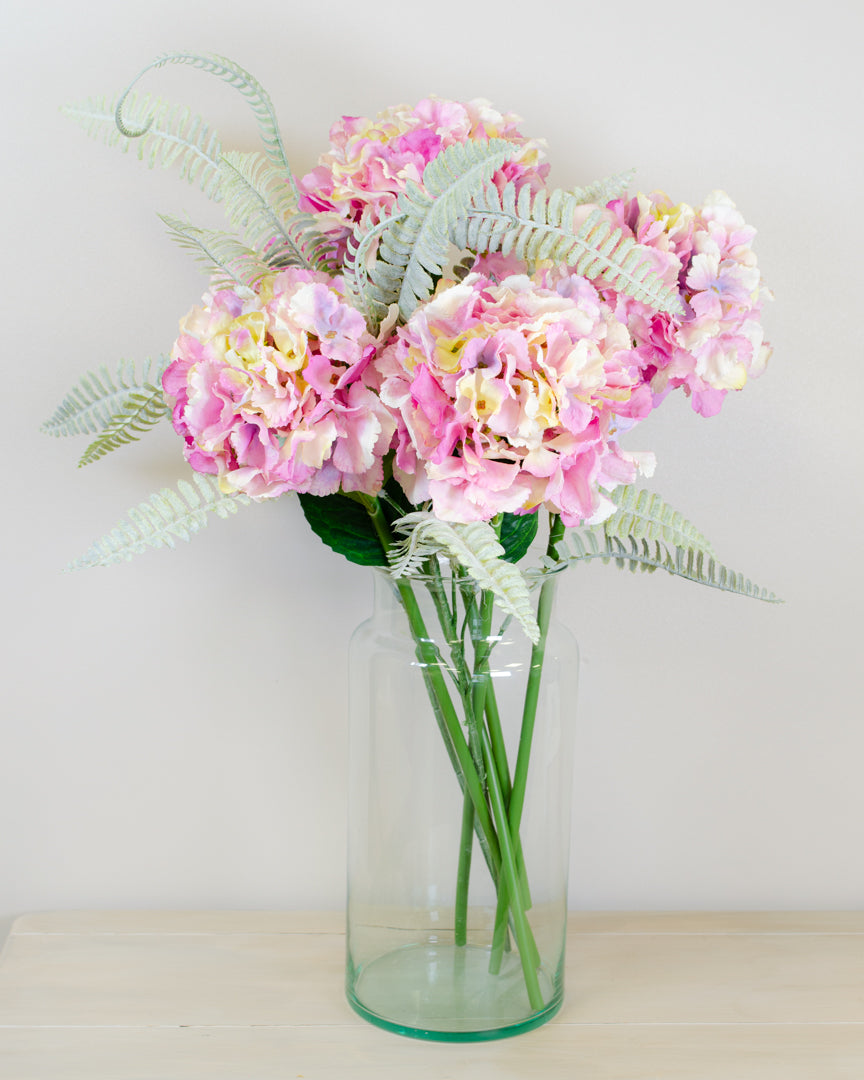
{"type": "Point", "coordinates": [470, 607]}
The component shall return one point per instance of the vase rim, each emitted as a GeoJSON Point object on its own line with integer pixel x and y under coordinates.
{"type": "Point", "coordinates": [535, 575]}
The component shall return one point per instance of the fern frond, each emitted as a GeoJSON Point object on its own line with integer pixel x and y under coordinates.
{"type": "Point", "coordinates": [643, 515]}
{"type": "Point", "coordinates": [542, 225]}
{"type": "Point", "coordinates": [258, 201]}
{"type": "Point", "coordinates": [648, 556]}
{"type": "Point", "coordinates": [165, 517]}
{"type": "Point", "coordinates": [359, 259]}
{"type": "Point", "coordinates": [318, 249]}
{"type": "Point", "coordinates": [91, 406]}
{"type": "Point", "coordinates": [476, 548]}
{"type": "Point", "coordinates": [235, 76]}
{"type": "Point", "coordinates": [414, 238]}
{"type": "Point", "coordinates": [138, 413]}
{"type": "Point", "coordinates": [173, 136]}
{"type": "Point", "coordinates": [603, 191]}
{"type": "Point", "coordinates": [226, 258]}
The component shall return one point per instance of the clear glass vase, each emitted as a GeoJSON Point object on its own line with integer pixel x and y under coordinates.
{"type": "Point", "coordinates": [459, 810]}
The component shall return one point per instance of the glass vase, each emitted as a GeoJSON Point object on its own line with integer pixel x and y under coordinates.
{"type": "Point", "coordinates": [461, 747]}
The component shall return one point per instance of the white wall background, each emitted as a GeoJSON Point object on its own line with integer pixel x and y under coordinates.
{"type": "Point", "coordinates": [173, 729]}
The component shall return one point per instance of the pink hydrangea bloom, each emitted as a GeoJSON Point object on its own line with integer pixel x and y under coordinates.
{"type": "Point", "coordinates": [371, 160]}
{"type": "Point", "coordinates": [717, 343]}
{"type": "Point", "coordinates": [509, 395]}
{"type": "Point", "coordinates": [268, 389]}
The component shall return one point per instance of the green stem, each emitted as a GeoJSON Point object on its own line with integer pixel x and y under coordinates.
{"type": "Point", "coordinates": [463, 678]}
{"type": "Point", "coordinates": [496, 735]}
{"type": "Point", "coordinates": [432, 666]}
{"type": "Point", "coordinates": [526, 735]}
{"type": "Point", "coordinates": [532, 691]}
{"type": "Point", "coordinates": [499, 750]}
{"type": "Point", "coordinates": [480, 765]}
{"type": "Point", "coordinates": [451, 728]}
{"type": "Point", "coordinates": [463, 873]}
{"type": "Point", "coordinates": [482, 649]}
{"type": "Point", "coordinates": [521, 929]}
{"type": "Point", "coordinates": [475, 716]}
{"type": "Point", "coordinates": [447, 617]}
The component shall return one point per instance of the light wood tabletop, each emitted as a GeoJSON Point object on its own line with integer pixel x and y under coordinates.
{"type": "Point", "coordinates": [259, 996]}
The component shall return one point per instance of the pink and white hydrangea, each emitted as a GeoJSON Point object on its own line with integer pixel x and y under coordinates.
{"type": "Point", "coordinates": [717, 343]}
{"type": "Point", "coordinates": [269, 390]}
{"type": "Point", "coordinates": [509, 395]}
{"type": "Point", "coordinates": [504, 392]}
{"type": "Point", "coordinates": [370, 161]}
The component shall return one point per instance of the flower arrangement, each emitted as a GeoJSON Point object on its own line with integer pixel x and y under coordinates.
{"type": "Point", "coordinates": [436, 352]}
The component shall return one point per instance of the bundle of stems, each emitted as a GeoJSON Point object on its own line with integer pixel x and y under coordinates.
{"type": "Point", "coordinates": [493, 795]}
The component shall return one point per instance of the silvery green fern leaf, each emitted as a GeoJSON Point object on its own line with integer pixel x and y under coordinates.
{"type": "Point", "coordinates": [476, 548]}
{"type": "Point", "coordinates": [173, 136]}
{"type": "Point", "coordinates": [91, 406]}
{"type": "Point", "coordinates": [360, 257]}
{"type": "Point", "coordinates": [258, 201]}
{"type": "Point", "coordinates": [163, 519]}
{"type": "Point", "coordinates": [553, 225]}
{"type": "Point", "coordinates": [643, 515]}
{"type": "Point", "coordinates": [225, 257]}
{"type": "Point", "coordinates": [644, 555]}
{"type": "Point", "coordinates": [414, 238]}
{"type": "Point", "coordinates": [137, 415]}
{"type": "Point", "coordinates": [603, 191]}
{"type": "Point", "coordinates": [234, 75]}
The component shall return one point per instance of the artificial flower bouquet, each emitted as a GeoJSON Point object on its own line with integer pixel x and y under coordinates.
{"type": "Point", "coordinates": [437, 353]}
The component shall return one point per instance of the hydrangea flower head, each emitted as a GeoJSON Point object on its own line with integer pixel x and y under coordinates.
{"type": "Point", "coordinates": [509, 396]}
{"type": "Point", "coordinates": [718, 341]}
{"type": "Point", "coordinates": [371, 160]}
{"type": "Point", "coordinates": [268, 389]}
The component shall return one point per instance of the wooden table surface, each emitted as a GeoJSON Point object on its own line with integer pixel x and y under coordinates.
{"type": "Point", "coordinates": [259, 996]}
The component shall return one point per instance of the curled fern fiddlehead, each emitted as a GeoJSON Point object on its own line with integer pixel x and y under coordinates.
{"type": "Point", "coordinates": [234, 75]}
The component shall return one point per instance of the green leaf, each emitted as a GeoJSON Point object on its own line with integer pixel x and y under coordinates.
{"type": "Point", "coordinates": [517, 534]}
{"type": "Point", "coordinates": [345, 526]}
{"type": "Point", "coordinates": [392, 492]}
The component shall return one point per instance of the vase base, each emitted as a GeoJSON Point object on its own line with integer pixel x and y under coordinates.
{"type": "Point", "coordinates": [446, 993]}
